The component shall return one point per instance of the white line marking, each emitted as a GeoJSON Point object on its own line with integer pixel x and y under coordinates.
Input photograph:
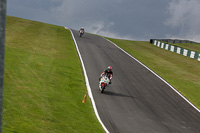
{"type": "Point", "coordinates": [157, 75]}
{"type": "Point", "coordinates": [178, 50]}
{"type": "Point", "coordinates": [172, 49]}
{"type": "Point", "coordinates": [162, 46]}
{"type": "Point", "coordinates": [192, 54]}
{"type": "Point", "coordinates": [158, 44]}
{"type": "Point", "coordinates": [88, 85]}
{"type": "Point", "coordinates": [155, 42]}
{"type": "Point", "coordinates": [167, 45]}
{"type": "Point", "coordinates": [199, 58]}
{"type": "Point", "coordinates": [185, 51]}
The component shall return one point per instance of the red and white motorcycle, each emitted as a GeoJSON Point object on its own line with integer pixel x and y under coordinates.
{"type": "Point", "coordinates": [103, 83]}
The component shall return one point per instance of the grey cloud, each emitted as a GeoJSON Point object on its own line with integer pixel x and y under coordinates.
{"type": "Point", "coordinates": [38, 10]}
{"type": "Point", "coordinates": [131, 19]}
{"type": "Point", "coordinates": [185, 15]}
{"type": "Point", "coordinates": [134, 18]}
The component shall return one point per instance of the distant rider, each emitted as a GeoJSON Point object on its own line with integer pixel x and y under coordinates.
{"type": "Point", "coordinates": [108, 72]}
{"type": "Point", "coordinates": [82, 30]}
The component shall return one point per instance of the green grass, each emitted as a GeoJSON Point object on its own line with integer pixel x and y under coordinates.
{"type": "Point", "coordinates": [180, 71]}
{"type": "Point", "coordinates": [44, 84]}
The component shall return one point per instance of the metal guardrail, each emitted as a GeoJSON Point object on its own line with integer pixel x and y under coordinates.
{"type": "Point", "coordinates": [2, 52]}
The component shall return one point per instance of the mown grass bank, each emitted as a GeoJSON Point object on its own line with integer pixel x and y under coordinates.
{"type": "Point", "coordinates": [180, 71]}
{"type": "Point", "coordinates": [44, 84]}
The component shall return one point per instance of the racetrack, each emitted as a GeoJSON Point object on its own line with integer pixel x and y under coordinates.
{"type": "Point", "coordinates": [137, 101]}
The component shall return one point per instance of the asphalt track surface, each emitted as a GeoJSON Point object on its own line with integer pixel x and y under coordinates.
{"type": "Point", "coordinates": [137, 101]}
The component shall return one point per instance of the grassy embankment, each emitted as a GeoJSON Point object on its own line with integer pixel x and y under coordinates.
{"type": "Point", "coordinates": [180, 71]}
{"type": "Point", "coordinates": [44, 84]}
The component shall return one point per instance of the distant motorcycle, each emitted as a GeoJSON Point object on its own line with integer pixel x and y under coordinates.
{"type": "Point", "coordinates": [81, 33]}
{"type": "Point", "coordinates": [103, 83]}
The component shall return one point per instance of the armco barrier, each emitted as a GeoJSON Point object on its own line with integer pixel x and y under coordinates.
{"type": "Point", "coordinates": [176, 49]}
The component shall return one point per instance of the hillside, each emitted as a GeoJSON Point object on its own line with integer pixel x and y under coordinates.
{"type": "Point", "coordinates": [44, 85]}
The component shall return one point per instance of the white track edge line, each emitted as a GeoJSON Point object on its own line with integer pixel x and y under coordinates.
{"type": "Point", "coordinates": [88, 85]}
{"type": "Point", "coordinates": [156, 75]}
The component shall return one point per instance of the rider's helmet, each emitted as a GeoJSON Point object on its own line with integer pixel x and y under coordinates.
{"type": "Point", "coordinates": [82, 28]}
{"type": "Point", "coordinates": [109, 68]}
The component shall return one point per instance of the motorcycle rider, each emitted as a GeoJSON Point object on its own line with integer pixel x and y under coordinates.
{"type": "Point", "coordinates": [108, 72]}
{"type": "Point", "coordinates": [82, 30]}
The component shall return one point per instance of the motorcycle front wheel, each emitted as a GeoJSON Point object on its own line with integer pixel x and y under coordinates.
{"type": "Point", "coordinates": [102, 88]}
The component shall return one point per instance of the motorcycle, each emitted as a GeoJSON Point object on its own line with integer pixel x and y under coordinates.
{"type": "Point", "coordinates": [81, 33]}
{"type": "Point", "coordinates": [103, 83]}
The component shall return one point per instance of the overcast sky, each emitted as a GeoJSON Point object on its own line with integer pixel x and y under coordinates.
{"type": "Point", "coordinates": [125, 19]}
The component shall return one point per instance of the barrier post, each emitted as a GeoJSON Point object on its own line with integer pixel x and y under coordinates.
{"type": "Point", "coordinates": [2, 52]}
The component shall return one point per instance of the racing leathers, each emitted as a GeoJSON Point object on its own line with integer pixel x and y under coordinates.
{"type": "Point", "coordinates": [108, 73]}
{"type": "Point", "coordinates": [82, 30]}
